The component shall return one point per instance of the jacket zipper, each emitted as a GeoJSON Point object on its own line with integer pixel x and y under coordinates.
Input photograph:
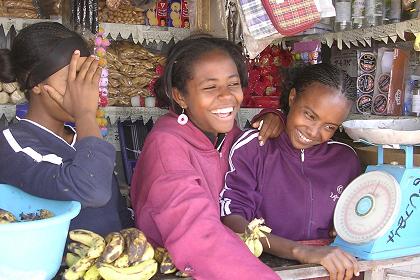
{"type": "Point", "coordinates": [302, 157]}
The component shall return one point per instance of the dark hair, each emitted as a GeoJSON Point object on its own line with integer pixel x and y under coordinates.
{"type": "Point", "coordinates": [182, 56]}
{"type": "Point", "coordinates": [323, 73]}
{"type": "Point", "coordinates": [30, 46]}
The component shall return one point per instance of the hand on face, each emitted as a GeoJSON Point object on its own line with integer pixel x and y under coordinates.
{"type": "Point", "coordinates": [339, 264]}
{"type": "Point", "coordinates": [315, 114]}
{"type": "Point", "coordinates": [81, 92]}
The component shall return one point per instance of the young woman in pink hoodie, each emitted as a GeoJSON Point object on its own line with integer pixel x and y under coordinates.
{"type": "Point", "coordinates": [178, 178]}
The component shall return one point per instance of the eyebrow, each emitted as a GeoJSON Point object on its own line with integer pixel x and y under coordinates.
{"type": "Point", "coordinates": [316, 115]}
{"type": "Point", "coordinates": [214, 79]}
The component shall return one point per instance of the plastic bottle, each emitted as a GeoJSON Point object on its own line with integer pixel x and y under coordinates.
{"type": "Point", "coordinates": [374, 11]}
{"type": "Point", "coordinates": [392, 11]}
{"type": "Point", "coordinates": [343, 15]}
{"type": "Point", "coordinates": [415, 106]}
{"type": "Point", "coordinates": [358, 13]}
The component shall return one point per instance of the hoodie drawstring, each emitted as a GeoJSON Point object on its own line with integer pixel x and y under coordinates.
{"type": "Point", "coordinates": [302, 155]}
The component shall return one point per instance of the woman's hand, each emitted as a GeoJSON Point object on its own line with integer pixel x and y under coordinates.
{"type": "Point", "coordinates": [339, 264]}
{"type": "Point", "coordinates": [270, 125]}
{"type": "Point", "coordinates": [82, 88]}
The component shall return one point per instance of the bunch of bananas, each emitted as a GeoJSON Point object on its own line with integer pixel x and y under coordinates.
{"type": "Point", "coordinates": [7, 217]}
{"type": "Point", "coordinates": [123, 255]}
{"type": "Point", "coordinates": [255, 230]}
{"type": "Point", "coordinates": [166, 265]}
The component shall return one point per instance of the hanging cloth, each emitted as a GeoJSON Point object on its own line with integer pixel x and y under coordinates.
{"type": "Point", "coordinates": [290, 17]}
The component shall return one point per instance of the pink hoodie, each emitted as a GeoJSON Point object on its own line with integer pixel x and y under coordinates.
{"type": "Point", "coordinates": [175, 196]}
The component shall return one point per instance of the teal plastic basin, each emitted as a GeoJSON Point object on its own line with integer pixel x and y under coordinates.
{"type": "Point", "coordinates": [33, 250]}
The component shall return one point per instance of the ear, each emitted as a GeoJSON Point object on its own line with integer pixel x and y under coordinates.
{"type": "Point", "coordinates": [37, 89]}
{"type": "Point", "coordinates": [292, 97]}
{"type": "Point", "coordinates": [178, 97]}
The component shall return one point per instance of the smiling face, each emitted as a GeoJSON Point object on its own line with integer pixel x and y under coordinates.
{"type": "Point", "coordinates": [315, 114]}
{"type": "Point", "coordinates": [214, 93]}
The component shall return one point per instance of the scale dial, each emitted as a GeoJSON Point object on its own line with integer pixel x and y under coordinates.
{"type": "Point", "coordinates": [368, 207]}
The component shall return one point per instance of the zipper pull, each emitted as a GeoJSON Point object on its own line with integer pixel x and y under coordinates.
{"type": "Point", "coordinates": [302, 155]}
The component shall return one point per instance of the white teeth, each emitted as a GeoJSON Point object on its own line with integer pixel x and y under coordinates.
{"type": "Point", "coordinates": [304, 138]}
{"type": "Point", "coordinates": [223, 110]}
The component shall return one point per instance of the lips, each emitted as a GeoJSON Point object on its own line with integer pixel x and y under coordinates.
{"type": "Point", "coordinates": [303, 139]}
{"type": "Point", "coordinates": [223, 112]}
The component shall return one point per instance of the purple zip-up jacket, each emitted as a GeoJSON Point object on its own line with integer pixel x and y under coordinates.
{"type": "Point", "coordinates": [295, 191]}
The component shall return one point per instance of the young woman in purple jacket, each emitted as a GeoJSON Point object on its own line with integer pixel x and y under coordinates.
{"type": "Point", "coordinates": [294, 181]}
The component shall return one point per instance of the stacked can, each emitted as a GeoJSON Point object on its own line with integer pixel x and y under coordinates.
{"type": "Point", "coordinates": [365, 81]}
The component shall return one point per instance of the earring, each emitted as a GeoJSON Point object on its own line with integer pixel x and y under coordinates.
{"type": "Point", "coordinates": [183, 118]}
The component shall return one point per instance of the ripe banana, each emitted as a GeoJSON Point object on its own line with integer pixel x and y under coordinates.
{"type": "Point", "coordinates": [91, 239]}
{"type": "Point", "coordinates": [114, 247]}
{"type": "Point", "coordinates": [135, 242]}
{"type": "Point", "coordinates": [167, 266]}
{"type": "Point", "coordinates": [7, 217]}
{"type": "Point", "coordinates": [77, 270]}
{"type": "Point", "coordinates": [78, 248]}
{"type": "Point", "coordinates": [92, 274]}
{"type": "Point", "coordinates": [122, 261]}
{"type": "Point", "coordinates": [142, 271]}
{"type": "Point", "coordinates": [181, 274]}
{"type": "Point", "coordinates": [252, 235]}
{"type": "Point", "coordinates": [149, 253]}
{"type": "Point", "coordinates": [159, 253]}
{"type": "Point", "coordinates": [71, 259]}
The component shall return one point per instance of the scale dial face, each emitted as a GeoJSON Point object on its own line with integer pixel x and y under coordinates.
{"type": "Point", "coordinates": [368, 207]}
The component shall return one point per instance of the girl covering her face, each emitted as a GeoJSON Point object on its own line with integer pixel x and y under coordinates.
{"type": "Point", "coordinates": [179, 175]}
{"type": "Point", "coordinates": [293, 181]}
{"type": "Point", "coordinates": [40, 154]}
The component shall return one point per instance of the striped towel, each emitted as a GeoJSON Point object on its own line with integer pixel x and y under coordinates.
{"type": "Point", "coordinates": [257, 20]}
{"type": "Point", "coordinates": [292, 16]}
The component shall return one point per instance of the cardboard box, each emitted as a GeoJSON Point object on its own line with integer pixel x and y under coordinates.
{"type": "Point", "coordinates": [368, 155]}
{"type": "Point", "coordinates": [178, 13]}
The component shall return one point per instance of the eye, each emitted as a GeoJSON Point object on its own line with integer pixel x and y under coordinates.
{"type": "Point", "coordinates": [234, 84]}
{"type": "Point", "coordinates": [330, 127]}
{"type": "Point", "coordinates": [309, 116]}
{"type": "Point", "coordinates": [209, 87]}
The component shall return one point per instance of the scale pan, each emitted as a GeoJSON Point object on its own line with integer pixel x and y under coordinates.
{"type": "Point", "coordinates": [385, 131]}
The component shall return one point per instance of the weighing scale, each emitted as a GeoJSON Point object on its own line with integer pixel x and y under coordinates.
{"type": "Point", "coordinates": [378, 214]}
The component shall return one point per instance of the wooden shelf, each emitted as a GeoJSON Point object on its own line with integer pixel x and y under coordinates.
{"type": "Point", "coordinates": [20, 23]}
{"type": "Point", "coordinates": [147, 33]}
{"type": "Point", "coordinates": [363, 36]}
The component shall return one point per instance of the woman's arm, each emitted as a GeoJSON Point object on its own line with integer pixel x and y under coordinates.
{"type": "Point", "coordinates": [339, 264]}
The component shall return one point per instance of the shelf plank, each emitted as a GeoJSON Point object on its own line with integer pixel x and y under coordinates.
{"type": "Point", "coordinates": [146, 33]}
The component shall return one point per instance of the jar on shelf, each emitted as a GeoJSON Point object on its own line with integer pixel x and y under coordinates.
{"type": "Point", "coordinates": [343, 15]}
{"type": "Point", "coordinates": [392, 11]}
{"type": "Point", "coordinates": [374, 12]}
{"type": "Point", "coordinates": [358, 13]}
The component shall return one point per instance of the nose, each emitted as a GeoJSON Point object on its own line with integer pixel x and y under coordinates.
{"type": "Point", "coordinates": [225, 92]}
{"type": "Point", "coordinates": [313, 131]}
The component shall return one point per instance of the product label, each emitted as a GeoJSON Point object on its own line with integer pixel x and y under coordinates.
{"type": "Point", "coordinates": [383, 83]}
{"type": "Point", "coordinates": [365, 83]}
{"type": "Point", "coordinates": [379, 104]}
{"type": "Point", "coordinates": [367, 62]}
{"type": "Point", "coordinates": [364, 104]}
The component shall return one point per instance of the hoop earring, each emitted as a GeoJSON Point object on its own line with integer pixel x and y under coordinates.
{"type": "Point", "coordinates": [183, 118]}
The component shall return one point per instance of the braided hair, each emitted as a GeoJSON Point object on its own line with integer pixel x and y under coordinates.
{"type": "Point", "coordinates": [180, 61]}
{"type": "Point", "coordinates": [325, 74]}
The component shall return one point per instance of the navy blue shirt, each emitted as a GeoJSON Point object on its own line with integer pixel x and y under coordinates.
{"type": "Point", "coordinates": [43, 164]}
